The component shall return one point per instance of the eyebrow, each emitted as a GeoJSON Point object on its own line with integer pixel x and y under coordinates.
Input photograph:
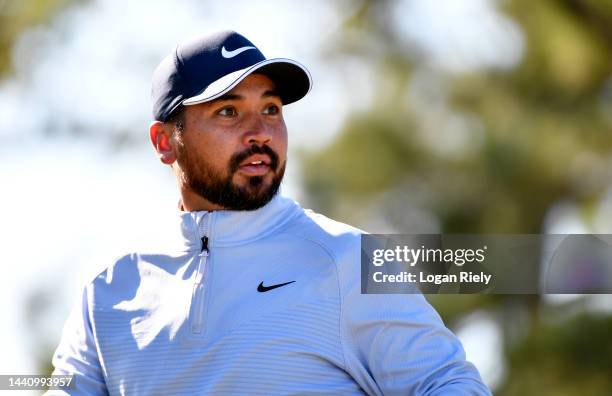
{"type": "Point", "coordinates": [230, 96]}
{"type": "Point", "coordinates": [270, 92]}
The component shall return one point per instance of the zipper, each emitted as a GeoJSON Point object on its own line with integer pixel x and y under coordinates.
{"type": "Point", "coordinates": [197, 301]}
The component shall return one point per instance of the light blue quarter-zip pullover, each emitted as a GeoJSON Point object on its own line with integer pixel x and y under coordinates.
{"type": "Point", "coordinates": [256, 302]}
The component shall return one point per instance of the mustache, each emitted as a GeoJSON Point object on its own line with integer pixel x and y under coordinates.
{"type": "Point", "coordinates": [237, 159]}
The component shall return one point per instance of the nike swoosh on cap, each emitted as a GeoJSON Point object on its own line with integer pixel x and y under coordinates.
{"type": "Point", "coordinates": [261, 288]}
{"type": "Point", "coordinates": [230, 54]}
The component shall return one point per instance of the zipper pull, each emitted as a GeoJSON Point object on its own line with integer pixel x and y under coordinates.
{"type": "Point", "coordinates": [204, 248]}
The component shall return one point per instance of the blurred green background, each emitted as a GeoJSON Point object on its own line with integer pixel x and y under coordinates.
{"type": "Point", "coordinates": [433, 136]}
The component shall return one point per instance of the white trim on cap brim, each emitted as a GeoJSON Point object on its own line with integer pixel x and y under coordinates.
{"type": "Point", "coordinates": [229, 81]}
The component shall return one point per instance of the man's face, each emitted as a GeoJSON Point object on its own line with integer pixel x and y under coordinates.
{"type": "Point", "coordinates": [232, 151]}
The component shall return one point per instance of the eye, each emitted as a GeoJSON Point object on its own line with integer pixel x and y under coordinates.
{"type": "Point", "coordinates": [272, 110]}
{"type": "Point", "coordinates": [228, 111]}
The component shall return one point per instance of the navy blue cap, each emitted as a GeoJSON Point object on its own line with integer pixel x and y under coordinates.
{"type": "Point", "coordinates": [206, 67]}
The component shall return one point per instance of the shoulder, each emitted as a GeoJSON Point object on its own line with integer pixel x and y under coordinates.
{"type": "Point", "coordinates": [113, 275]}
{"type": "Point", "coordinates": [120, 279]}
{"type": "Point", "coordinates": [337, 238]}
{"type": "Point", "coordinates": [340, 241]}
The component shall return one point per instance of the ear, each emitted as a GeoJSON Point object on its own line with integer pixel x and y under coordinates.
{"type": "Point", "coordinates": [160, 134]}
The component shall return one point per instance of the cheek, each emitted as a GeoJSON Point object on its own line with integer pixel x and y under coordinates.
{"type": "Point", "coordinates": [212, 145]}
{"type": "Point", "coordinates": [282, 141]}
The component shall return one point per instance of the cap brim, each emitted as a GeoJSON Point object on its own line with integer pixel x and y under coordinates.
{"type": "Point", "coordinates": [292, 80]}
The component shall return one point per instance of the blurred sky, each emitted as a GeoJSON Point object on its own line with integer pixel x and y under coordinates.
{"type": "Point", "coordinates": [80, 182]}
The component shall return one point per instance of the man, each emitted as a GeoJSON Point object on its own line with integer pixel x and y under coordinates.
{"type": "Point", "coordinates": [259, 296]}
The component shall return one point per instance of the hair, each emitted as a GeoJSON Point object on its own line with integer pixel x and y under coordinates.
{"type": "Point", "coordinates": [177, 117]}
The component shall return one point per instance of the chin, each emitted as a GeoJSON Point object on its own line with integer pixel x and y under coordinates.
{"type": "Point", "coordinates": [258, 191]}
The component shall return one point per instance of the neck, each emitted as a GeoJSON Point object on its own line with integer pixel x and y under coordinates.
{"type": "Point", "coordinates": [192, 202]}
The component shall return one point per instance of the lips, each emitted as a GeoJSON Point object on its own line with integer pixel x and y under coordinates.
{"type": "Point", "coordinates": [257, 159]}
{"type": "Point", "coordinates": [255, 165]}
{"type": "Point", "coordinates": [254, 161]}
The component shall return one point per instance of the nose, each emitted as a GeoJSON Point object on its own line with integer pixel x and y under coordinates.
{"type": "Point", "coordinates": [257, 132]}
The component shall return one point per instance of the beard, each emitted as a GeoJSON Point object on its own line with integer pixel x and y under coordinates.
{"type": "Point", "coordinates": [219, 189]}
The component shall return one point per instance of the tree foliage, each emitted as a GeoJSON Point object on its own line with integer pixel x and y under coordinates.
{"type": "Point", "coordinates": [19, 15]}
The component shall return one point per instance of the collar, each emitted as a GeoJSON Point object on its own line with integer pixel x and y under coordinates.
{"type": "Point", "coordinates": [231, 228]}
